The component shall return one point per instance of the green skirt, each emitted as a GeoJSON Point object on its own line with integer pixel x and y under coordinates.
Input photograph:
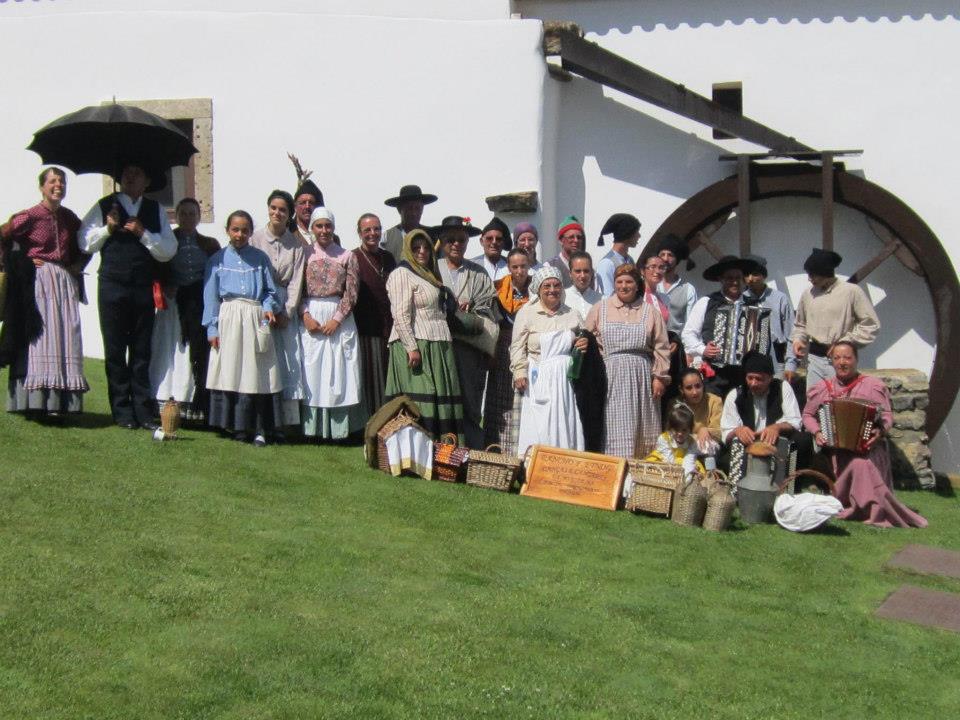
{"type": "Point", "coordinates": [434, 386]}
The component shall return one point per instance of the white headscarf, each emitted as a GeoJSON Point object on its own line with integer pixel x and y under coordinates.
{"type": "Point", "coordinates": [321, 213]}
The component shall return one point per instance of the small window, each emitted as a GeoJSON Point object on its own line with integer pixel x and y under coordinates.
{"type": "Point", "coordinates": [194, 116]}
{"type": "Point", "coordinates": [730, 96]}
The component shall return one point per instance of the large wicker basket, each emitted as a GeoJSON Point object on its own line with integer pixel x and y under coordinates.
{"type": "Point", "coordinates": [653, 486]}
{"type": "Point", "coordinates": [449, 460]}
{"type": "Point", "coordinates": [398, 421]}
{"type": "Point", "coordinates": [493, 470]}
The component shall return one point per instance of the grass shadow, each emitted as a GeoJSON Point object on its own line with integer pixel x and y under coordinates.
{"type": "Point", "coordinates": [944, 488]}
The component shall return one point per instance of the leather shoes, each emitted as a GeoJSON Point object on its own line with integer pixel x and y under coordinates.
{"type": "Point", "coordinates": [149, 425]}
{"type": "Point", "coordinates": [128, 425]}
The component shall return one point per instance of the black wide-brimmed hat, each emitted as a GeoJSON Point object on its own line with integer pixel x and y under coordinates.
{"type": "Point", "coordinates": [729, 262]}
{"type": "Point", "coordinates": [454, 222]}
{"type": "Point", "coordinates": [410, 192]}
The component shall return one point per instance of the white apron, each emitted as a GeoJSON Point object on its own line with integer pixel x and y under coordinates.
{"type": "Point", "coordinates": [246, 361]}
{"type": "Point", "coordinates": [171, 375]}
{"type": "Point", "coordinates": [548, 414]}
{"type": "Point", "coordinates": [331, 363]}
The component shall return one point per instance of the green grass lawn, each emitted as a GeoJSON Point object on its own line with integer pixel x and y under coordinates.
{"type": "Point", "coordinates": [203, 578]}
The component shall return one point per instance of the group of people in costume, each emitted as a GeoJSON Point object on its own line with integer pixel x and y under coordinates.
{"type": "Point", "coordinates": [284, 330]}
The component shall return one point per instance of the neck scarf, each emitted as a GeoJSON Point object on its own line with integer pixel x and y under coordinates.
{"type": "Point", "coordinates": [510, 299]}
{"type": "Point", "coordinates": [429, 271]}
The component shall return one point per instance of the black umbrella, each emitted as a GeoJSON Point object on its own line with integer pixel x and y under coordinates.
{"type": "Point", "coordinates": [104, 138]}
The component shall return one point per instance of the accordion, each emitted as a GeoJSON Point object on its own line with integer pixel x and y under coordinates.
{"type": "Point", "coordinates": [739, 329]}
{"type": "Point", "coordinates": [846, 424]}
{"type": "Point", "coordinates": [761, 466]}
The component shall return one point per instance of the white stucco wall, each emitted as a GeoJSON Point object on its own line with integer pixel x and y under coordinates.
{"type": "Point", "coordinates": [848, 74]}
{"type": "Point", "coordinates": [368, 103]}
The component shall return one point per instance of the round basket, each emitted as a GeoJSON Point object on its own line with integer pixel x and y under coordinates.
{"type": "Point", "coordinates": [720, 504]}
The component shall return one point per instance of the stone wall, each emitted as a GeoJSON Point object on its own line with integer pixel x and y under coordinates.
{"type": "Point", "coordinates": [909, 444]}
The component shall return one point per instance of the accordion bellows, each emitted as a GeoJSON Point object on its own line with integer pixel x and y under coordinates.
{"type": "Point", "coordinates": [846, 424]}
{"type": "Point", "coordinates": [737, 333]}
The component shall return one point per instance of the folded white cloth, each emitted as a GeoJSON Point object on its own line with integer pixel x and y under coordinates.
{"type": "Point", "coordinates": [805, 511]}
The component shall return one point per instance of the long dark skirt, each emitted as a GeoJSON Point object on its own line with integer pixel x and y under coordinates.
{"type": "Point", "coordinates": [434, 386]}
{"type": "Point", "coordinates": [501, 413]}
{"type": "Point", "coordinates": [243, 413]}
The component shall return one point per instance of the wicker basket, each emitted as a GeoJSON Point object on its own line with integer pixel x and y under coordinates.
{"type": "Point", "coordinates": [824, 480]}
{"type": "Point", "coordinates": [720, 504]}
{"type": "Point", "coordinates": [493, 470]}
{"type": "Point", "coordinates": [690, 503]}
{"type": "Point", "coordinates": [170, 418]}
{"type": "Point", "coordinates": [449, 460]}
{"type": "Point", "coordinates": [653, 486]}
{"type": "Point", "coordinates": [398, 421]}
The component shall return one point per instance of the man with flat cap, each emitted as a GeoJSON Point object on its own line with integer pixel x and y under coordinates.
{"type": "Point", "coordinates": [625, 229]}
{"type": "Point", "coordinates": [409, 202]}
{"type": "Point", "coordinates": [475, 325]}
{"type": "Point", "coordinates": [305, 200]}
{"type": "Point", "coordinates": [830, 311]}
{"type": "Point", "coordinates": [781, 316]}
{"type": "Point", "coordinates": [710, 334]}
{"type": "Point", "coordinates": [494, 239]}
{"type": "Point", "coordinates": [679, 293]}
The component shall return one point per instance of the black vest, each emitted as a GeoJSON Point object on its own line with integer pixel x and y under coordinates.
{"type": "Point", "coordinates": [714, 301]}
{"type": "Point", "coordinates": [123, 258]}
{"type": "Point", "coordinates": [744, 403]}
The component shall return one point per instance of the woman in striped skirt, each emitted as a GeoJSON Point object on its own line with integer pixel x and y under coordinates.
{"type": "Point", "coordinates": [41, 340]}
{"type": "Point", "coordinates": [422, 365]}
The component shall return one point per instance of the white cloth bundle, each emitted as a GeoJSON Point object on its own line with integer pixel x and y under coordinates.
{"type": "Point", "coordinates": [805, 511]}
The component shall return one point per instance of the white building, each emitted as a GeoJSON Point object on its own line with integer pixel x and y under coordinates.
{"type": "Point", "coordinates": [456, 97]}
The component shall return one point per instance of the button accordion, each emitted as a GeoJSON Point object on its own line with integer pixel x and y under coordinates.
{"type": "Point", "coordinates": [739, 329]}
{"type": "Point", "coordinates": [847, 424]}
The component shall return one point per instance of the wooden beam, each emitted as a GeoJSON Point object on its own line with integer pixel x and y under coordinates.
{"type": "Point", "coordinates": [705, 237]}
{"type": "Point", "coordinates": [811, 155]}
{"type": "Point", "coordinates": [826, 197]}
{"type": "Point", "coordinates": [902, 253]}
{"type": "Point", "coordinates": [743, 205]}
{"type": "Point", "coordinates": [600, 65]}
{"type": "Point", "coordinates": [868, 267]}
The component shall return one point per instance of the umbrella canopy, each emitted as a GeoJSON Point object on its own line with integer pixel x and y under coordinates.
{"type": "Point", "coordinates": [105, 138]}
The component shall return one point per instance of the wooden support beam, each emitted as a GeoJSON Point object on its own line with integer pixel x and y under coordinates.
{"type": "Point", "coordinates": [868, 267]}
{"type": "Point", "coordinates": [600, 65]}
{"type": "Point", "coordinates": [826, 171]}
{"type": "Point", "coordinates": [705, 237]}
{"type": "Point", "coordinates": [743, 205]}
{"type": "Point", "coordinates": [902, 253]}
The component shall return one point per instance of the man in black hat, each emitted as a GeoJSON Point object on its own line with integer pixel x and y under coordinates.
{"type": "Point", "coordinates": [494, 239]}
{"type": "Point", "coordinates": [625, 229]}
{"type": "Point", "coordinates": [706, 331]}
{"type": "Point", "coordinates": [132, 235]}
{"type": "Point", "coordinates": [763, 408]}
{"type": "Point", "coordinates": [680, 294]}
{"type": "Point", "coordinates": [781, 316]}
{"type": "Point", "coordinates": [475, 327]}
{"type": "Point", "coordinates": [409, 202]}
{"type": "Point", "coordinates": [305, 200]}
{"type": "Point", "coordinates": [830, 311]}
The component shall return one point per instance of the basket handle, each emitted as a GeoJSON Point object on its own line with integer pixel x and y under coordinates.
{"type": "Point", "coordinates": [811, 473]}
{"type": "Point", "coordinates": [694, 478]}
{"type": "Point", "coordinates": [494, 445]}
{"type": "Point", "coordinates": [449, 439]}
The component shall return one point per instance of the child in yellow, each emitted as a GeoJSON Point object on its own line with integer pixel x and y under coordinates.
{"type": "Point", "coordinates": [677, 444]}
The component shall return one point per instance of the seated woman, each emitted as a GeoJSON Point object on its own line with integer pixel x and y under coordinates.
{"type": "Point", "coordinates": [540, 356]}
{"type": "Point", "coordinates": [633, 339]}
{"type": "Point", "coordinates": [421, 364]}
{"type": "Point", "coordinates": [239, 302]}
{"type": "Point", "coordinates": [707, 409]}
{"type": "Point", "coordinates": [501, 415]}
{"type": "Point", "coordinates": [864, 484]}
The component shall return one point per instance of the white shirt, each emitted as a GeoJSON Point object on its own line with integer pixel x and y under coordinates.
{"type": "Point", "coordinates": [94, 231]}
{"type": "Point", "coordinates": [692, 334]}
{"type": "Point", "coordinates": [494, 271]}
{"type": "Point", "coordinates": [730, 419]}
{"type": "Point", "coordinates": [581, 302]}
